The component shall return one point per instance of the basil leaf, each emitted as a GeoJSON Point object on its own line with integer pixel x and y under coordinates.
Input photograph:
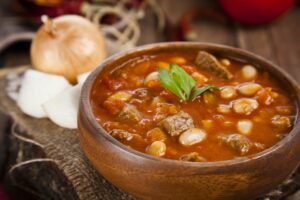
{"type": "Point", "coordinates": [199, 91]}
{"type": "Point", "coordinates": [167, 82]}
{"type": "Point", "coordinates": [182, 79]}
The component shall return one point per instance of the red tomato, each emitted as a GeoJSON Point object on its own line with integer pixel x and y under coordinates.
{"type": "Point", "coordinates": [256, 12]}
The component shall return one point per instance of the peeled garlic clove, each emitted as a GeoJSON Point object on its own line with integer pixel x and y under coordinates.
{"type": "Point", "coordinates": [245, 126]}
{"type": "Point", "coordinates": [245, 106]}
{"type": "Point", "coordinates": [82, 77]}
{"type": "Point", "coordinates": [249, 89]}
{"type": "Point", "coordinates": [153, 76]}
{"type": "Point", "coordinates": [37, 88]}
{"type": "Point", "coordinates": [192, 136]}
{"type": "Point", "coordinates": [157, 148]}
{"type": "Point", "coordinates": [249, 72]}
{"type": "Point", "coordinates": [228, 92]}
{"type": "Point", "coordinates": [63, 108]}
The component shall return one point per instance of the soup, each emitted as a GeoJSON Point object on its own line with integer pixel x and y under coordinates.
{"type": "Point", "coordinates": [192, 106]}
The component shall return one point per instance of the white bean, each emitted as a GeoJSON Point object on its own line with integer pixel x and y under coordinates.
{"type": "Point", "coordinates": [248, 89]}
{"type": "Point", "coordinates": [245, 106]}
{"type": "Point", "coordinates": [225, 62]}
{"type": "Point", "coordinates": [157, 148]}
{"type": "Point", "coordinates": [249, 72]}
{"type": "Point", "coordinates": [228, 92]}
{"type": "Point", "coordinates": [192, 136]}
{"type": "Point", "coordinates": [244, 126]}
{"type": "Point", "coordinates": [224, 109]}
{"type": "Point", "coordinates": [153, 76]}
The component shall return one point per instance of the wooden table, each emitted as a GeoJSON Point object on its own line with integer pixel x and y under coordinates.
{"type": "Point", "coordinates": [279, 42]}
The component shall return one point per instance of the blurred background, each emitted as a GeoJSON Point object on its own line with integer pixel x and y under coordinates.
{"type": "Point", "coordinates": [269, 28]}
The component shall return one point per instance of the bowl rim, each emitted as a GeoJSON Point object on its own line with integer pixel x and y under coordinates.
{"type": "Point", "coordinates": [243, 160]}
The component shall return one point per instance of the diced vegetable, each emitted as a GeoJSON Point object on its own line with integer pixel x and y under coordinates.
{"type": "Point", "coordinates": [156, 134]}
{"type": "Point", "coordinates": [177, 60]}
{"type": "Point", "coordinates": [120, 96]}
{"type": "Point", "coordinates": [176, 124]}
{"type": "Point", "coordinates": [157, 148]}
{"type": "Point", "coordinates": [164, 65]}
{"type": "Point", "coordinates": [207, 61]}
{"type": "Point", "coordinates": [116, 102]}
{"type": "Point", "coordinates": [207, 124]}
{"type": "Point", "coordinates": [192, 136]}
{"type": "Point", "coordinates": [209, 98]}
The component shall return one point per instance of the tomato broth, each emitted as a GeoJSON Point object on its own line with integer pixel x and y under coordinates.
{"type": "Point", "coordinates": [244, 110]}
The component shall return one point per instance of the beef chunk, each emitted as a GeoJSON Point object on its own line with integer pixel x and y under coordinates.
{"type": "Point", "coordinates": [121, 134]}
{"type": "Point", "coordinates": [130, 113]}
{"type": "Point", "coordinates": [237, 142]}
{"type": "Point", "coordinates": [176, 124]}
{"type": "Point", "coordinates": [207, 61]}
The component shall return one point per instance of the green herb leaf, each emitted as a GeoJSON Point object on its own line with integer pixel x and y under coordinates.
{"type": "Point", "coordinates": [181, 83]}
{"type": "Point", "coordinates": [167, 82]}
{"type": "Point", "coordinates": [199, 91]}
{"type": "Point", "coordinates": [182, 79]}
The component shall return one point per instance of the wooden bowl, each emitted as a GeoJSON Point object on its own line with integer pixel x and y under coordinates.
{"type": "Point", "coordinates": [148, 177]}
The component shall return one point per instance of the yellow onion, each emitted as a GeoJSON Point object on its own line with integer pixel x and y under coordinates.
{"type": "Point", "coordinates": [68, 45]}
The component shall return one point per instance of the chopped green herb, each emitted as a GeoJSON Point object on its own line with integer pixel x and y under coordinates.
{"type": "Point", "coordinates": [181, 83]}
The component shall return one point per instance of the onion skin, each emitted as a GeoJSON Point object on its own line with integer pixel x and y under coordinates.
{"type": "Point", "coordinates": [68, 45]}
